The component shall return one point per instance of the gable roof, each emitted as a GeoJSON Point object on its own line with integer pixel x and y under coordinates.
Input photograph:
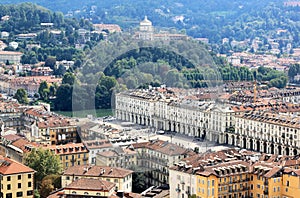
{"type": "Point", "coordinates": [9, 167]}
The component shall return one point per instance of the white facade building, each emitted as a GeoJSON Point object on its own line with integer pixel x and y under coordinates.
{"type": "Point", "coordinates": [167, 112]}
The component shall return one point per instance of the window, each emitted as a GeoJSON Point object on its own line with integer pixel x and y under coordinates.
{"type": "Point", "coordinates": [29, 192]}
{"type": "Point", "coordinates": [19, 177]}
{"type": "Point", "coordinates": [116, 180]}
{"type": "Point", "coordinates": [67, 164]}
{"type": "Point", "coordinates": [29, 176]}
{"type": "Point", "coordinates": [8, 187]}
{"type": "Point", "coordinates": [208, 183]}
{"type": "Point", "coordinates": [19, 194]}
{"type": "Point", "coordinates": [287, 183]}
{"type": "Point", "coordinates": [19, 185]}
{"type": "Point", "coordinates": [8, 195]}
{"type": "Point", "coordinates": [8, 178]}
{"type": "Point", "coordinates": [29, 184]}
{"type": "Point", "coordinates": [74, 192]}
{"type": "Point", "coordinates": [86, 193]}
{"type": "Point", "coordinates": [67, 178]}
{"type": "Point", "coordinates": [213, 182]}
{"type": "Point", "coordinates": [78, 163]}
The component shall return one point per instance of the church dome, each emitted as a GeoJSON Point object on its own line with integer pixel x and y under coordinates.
{"type": "Point", "coordinates": [146, 22]}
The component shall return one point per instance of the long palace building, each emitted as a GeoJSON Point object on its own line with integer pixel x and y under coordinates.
{"type": "Point", "coordinates": [270, 127]}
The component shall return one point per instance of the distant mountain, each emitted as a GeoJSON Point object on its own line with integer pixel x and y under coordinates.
{"type": "Point", "coordinates": [214, 19]}
{"type": "Point", "coordinates": [55, 5]}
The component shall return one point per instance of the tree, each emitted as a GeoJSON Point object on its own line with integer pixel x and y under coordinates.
{"type": "Point", "coordinates": [50, 62]}
{"type": "Point", "coordinates": [138, 182]}
{"type": "Point", "coordinates": [52, 89]}
{"type": "Point", "coordinates": [49, 183]}
{"type": "Point", "coordinates": [46, 188]}
{"type": "Point", "coordinates": [44, 91]}
{"type": "Point", "coordinates": [77, 63]}
{"type": "Point", "coordinates": [68, 78]}
{"type": "Point", "coordinates": [21, 96]}
{"type": "Point", "coordinates": [63, 101]}
{"type": "Point", "coordinates": [44, 162]}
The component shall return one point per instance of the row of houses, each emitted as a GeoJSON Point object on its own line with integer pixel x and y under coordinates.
{"type": "Point", "coordinates": [235, 173]}
{"type": "Point", "coordinates": [225, 123]}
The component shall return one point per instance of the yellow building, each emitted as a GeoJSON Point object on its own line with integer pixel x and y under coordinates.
{"type": "Point", "coordinates": [290, 183]}
{"type": "Point", "coordinates": [16, 179]}
{"type": "Point", "coordinates": [228, 179]}
{"type": "Point", "coordinates": [54, 131]}
{"type": "Point", "coordinates": [265, 180]}
{"type": "Point", "coordinates": [236, 174]}
{"type": "Point", "coordinates": [71, 154]}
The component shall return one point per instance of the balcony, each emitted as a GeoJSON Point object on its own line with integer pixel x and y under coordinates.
{"type": "Point", "coordinates": [266, 183]}
{"type": "Point", "coordinates": [85, 159]}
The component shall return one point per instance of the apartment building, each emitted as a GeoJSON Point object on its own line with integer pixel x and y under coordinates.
{"type": "Point", "coordinates": [269, 126]}
{"type": "Point", "coordinates": [122, 178]}
{"type": "Point", "coordinates": [88, 187]}
{"type": "Point", "coordinates": [154, 159]}
{"type": "Point", "coordinates": [71, 154]}
{"type": "Point", "coordinates": [54, 131]}
{"type": "Point", "coordinates": [266, 132]}
{"type": "Point", "coordinates": [15, 146]}
{"type": "Point", "coordinates": [290, 183]}
{"type": "Point", "coordinates": [11, 57]}
{"type": "Point", "coordinates": [16, 179]}
{"type": "Point", "coordinates": [235, 174]}
{"type": "Point", "coordinates": [97, 146]}
{"type": "Point", "coordinates": [117, 157]}
{"type": "Point", "coordinates": [10, 114]}
{"type": "Point", "coordinates": [166, 110]}
{"type": "Point", "coordinates": [48, 128]}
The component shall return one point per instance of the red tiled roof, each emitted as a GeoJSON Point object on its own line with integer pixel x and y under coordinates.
{"type": "Point", "coordinates": [24, 144]}
{"type": "Point", "coordinates": [98, 171]}
{"type": "Point", "coordinates": [66, 149]}
{"type": "Point", "coordinates": [96, 144]}
{"type": "Point", "coordinates": [10, 53]}
{"type": "Point", "coordinates": [11, 137]}
{"type": "Point", "coordinates": [9, 166]}
{"type": "Point", "coordinates": [162, 146]}
{"type": "Point", "coordinates": [91, 184]}
{"type": "Point", "coordinates": [272, 172]}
